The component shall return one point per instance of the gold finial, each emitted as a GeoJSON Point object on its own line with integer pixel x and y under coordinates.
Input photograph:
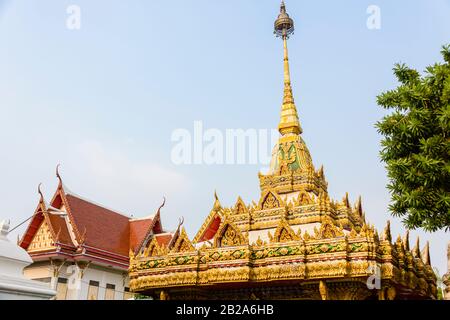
{"type": "Point", "coordinates": [387, 232]}
{"type": "Point", "coordinates": [217, 206]}
{"type": "Point", "coordinates": [406, 240]}
{"type": "Point", "coordinates": [426, 254]}
{"type": "Point", "coordinates": [416, 249]}
{"type": "Point", "coordinates": [289, 123]}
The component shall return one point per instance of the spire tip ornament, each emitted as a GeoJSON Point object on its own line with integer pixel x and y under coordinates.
{"type": "Point", "coordinates": [284, 25]}
{"type": "Point", "coordinates": [289, 123]}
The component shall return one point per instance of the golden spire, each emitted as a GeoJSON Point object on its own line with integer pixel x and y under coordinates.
{"type": "Point", "coordinates": [289, 123]}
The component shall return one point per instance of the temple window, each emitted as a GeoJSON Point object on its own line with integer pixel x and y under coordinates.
{"type": "Point", "coordinates": [93, 290]}
{"type": "Point", "coordinates": [61, 289]}
{"type": "Point", "coordinates": [110, 291]}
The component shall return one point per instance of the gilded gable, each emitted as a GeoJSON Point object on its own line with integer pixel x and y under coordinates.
{"type": "Point", "coordinates": [240, 207]}
{"type": "Point", "coordinates": [270, 200]}
{"type": "Point", "coordinates": [229, 236]}
{"type": "Point", "coordinates": [43, 239]}
{"type": "Point", "coordinates": [183, 244]}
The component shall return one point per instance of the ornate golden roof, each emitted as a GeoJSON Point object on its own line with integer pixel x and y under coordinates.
{"type": "Point", "coordinates": [295, 237]}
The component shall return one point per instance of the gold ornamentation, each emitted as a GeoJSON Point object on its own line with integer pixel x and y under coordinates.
{"type": "Point", "coordinates": [43, 239]}
{"type": "Point", "coordinates": [328, 230]}
{"type": "Point", "coordinates": [240, 207]}
{"type": "Point", "coordinates": [293, 193]}
{"type": "Point", "coordinates": [229, 235]}
{"type": "Point", "coordinates": [284, 232]}
{"type": "Point", "coordinates": [183, 244]}
{"type": "Point", "coordinates": [270, 201]}
{"type": "Point", "coordinates": [304, 199]}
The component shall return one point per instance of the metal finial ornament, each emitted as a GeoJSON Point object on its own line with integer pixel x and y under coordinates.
{"type": "Point", "coordinates": [284, 25]}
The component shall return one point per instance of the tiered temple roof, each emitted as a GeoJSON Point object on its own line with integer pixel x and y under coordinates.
{"type": "Point", "coordinates": [295, 243]}
{"type": "Point", "coordinates": [73, 228]}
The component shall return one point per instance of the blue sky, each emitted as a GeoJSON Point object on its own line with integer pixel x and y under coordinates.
{"type": "Point", "coordinates": [104, 100]}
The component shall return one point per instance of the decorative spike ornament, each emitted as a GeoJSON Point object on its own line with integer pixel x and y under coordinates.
{"type": "Point", "coordinates": [346, 201]}
{"type": "Point", "coordinates": [406, 241]}
{"type": "Point", "coordinates": [387, 232]}
{"type": "Point", "coordinates": [416, 249]}
{"type": "Point", "coordinates": [426, 254]}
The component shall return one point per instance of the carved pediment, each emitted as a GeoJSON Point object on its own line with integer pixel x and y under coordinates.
{"type": "Point", "coordinates": [43, 238]}
{"type": "Point", "coordinates": [284, 233]}
{"type": "Point", "coordinates": [240, 207]}
{"type": "Point", "coordinates": [183, 244]}
{"type": "Point", "coordinates": [153, 249]}
{"type": "Point", "coordinates": [328, 230]}
{"type": "Point", "coordinates": [270, 200]}
{"type": "Point", "coordinates": [304, 199]}
{"type": "Point", "coordinates": [229, 235]}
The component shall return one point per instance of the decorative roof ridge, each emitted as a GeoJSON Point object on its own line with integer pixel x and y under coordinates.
{"type": "Point", "coordinates": [152, 216]}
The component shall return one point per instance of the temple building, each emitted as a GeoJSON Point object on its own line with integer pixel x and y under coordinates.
{"type": "Point", "coordinates": [81, 249]}
{"type": "Point", "coordinates": [294, 243]}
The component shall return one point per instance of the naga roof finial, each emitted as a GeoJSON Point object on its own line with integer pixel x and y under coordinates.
{"type": "Point", "coordinates": [217, 206]}
{"type": "Point", "coordinates": [40, 193]}
{"type": "Point", "coordinates": [163, 204]}
{"type": "Point", "coordinates": [180, 221]}
{"type": "Point", "coordinates": [57, 173]}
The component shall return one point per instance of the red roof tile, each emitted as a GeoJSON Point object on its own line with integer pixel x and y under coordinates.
{"type": "Point", "coordinates": [105, 229]}
{"type": "Point", "coordinates": [164, 239]}
{"type": "Point", "coordinates": [95, 226]}
{"type": "Point", "coordinates": [138, 230]}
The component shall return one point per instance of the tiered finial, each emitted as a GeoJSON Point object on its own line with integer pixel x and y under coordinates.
{"type": "Point", "coordinates": [289, 123]}
{"type": "Point", "coordinates": [284, 25]}
{"type": "Point", "coordinates": [387, 232]}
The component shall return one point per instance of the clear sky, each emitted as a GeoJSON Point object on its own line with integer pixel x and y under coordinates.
{"type": "Point", "coordinates": [104, 100]}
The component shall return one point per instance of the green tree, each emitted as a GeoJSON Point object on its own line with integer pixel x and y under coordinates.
{"type": "Point", "coordinates": [416, 145]}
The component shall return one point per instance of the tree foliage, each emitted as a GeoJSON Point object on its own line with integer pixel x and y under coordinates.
{"type": "Point", "coordinates": [416, 145]}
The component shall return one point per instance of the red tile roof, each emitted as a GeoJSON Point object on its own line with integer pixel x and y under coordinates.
{"type": "Point", "coordinates": [164, 239]}
{"type": "Point", "coordinates": [103, 232]}
{"type": "Point", "coordinates": [138, 230]}
{"type": "Point", "coordinates": [105, 229]}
